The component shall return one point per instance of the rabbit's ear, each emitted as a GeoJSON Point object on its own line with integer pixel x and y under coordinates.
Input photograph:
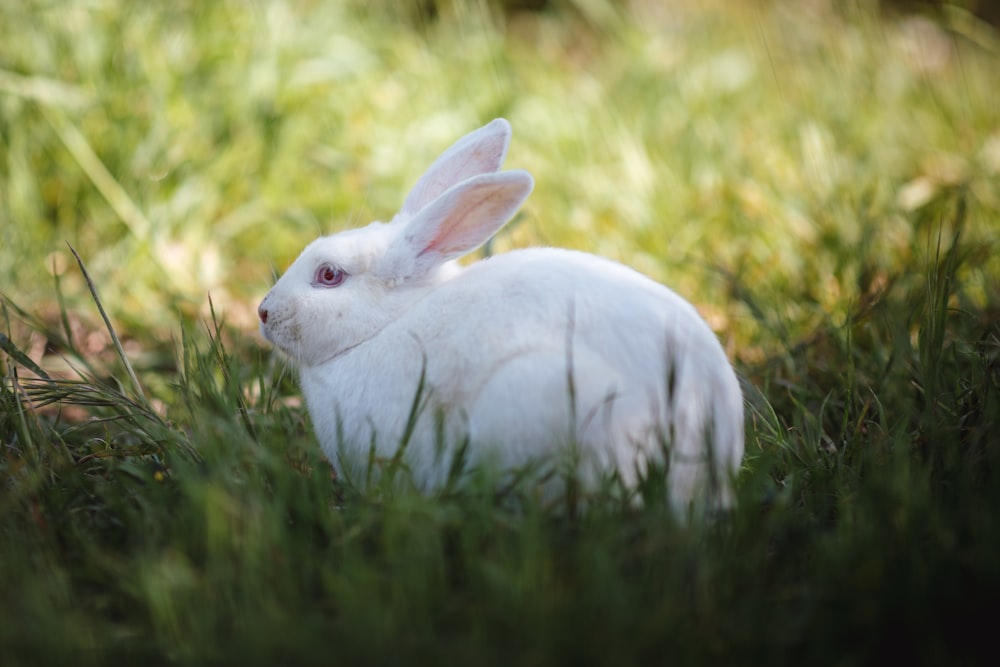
{"type": "Point", "coordinates": [458, 222]}
{"type": "Point", "coordinates": [479, 152]}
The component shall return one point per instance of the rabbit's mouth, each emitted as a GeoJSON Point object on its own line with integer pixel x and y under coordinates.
{"type": "Point", "coordinates": [284, 339]}
{"type": "Point", "coordinates": [288, 341]}
{"type": "Point", "coordinates": [267, 331]}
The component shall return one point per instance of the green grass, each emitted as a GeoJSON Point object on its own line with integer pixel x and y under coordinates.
{"type": "Point", "coordinates": [822, 180]}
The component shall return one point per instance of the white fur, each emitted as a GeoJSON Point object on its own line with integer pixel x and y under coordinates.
{"type": "Point", "coordinates": [534, 355]}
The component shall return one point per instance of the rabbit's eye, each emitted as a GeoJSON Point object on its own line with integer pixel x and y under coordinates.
{"type": "Point", "coordinates": [329, 276]}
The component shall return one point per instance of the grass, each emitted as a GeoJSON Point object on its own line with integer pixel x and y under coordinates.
{"type": "Point", "coordinates": [822, 179]}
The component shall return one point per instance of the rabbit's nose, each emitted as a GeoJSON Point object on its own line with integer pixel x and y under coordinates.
{"type": "Point", "coordinates": [262, 314]}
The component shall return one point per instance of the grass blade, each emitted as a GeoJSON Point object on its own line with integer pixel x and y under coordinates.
{"type": "Point", "coordinates": [20, 357]}
{"type": "Point", "coordinates": [137, 387]}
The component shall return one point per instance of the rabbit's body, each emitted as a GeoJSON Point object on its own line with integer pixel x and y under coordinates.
{"type": "Point", "coordinates": [533, 356]}
{"type": "Point", "coordinates": [633, 389]}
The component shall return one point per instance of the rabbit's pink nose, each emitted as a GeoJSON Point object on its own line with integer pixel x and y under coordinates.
{"type": "Point", "coordinates": [262, 314]}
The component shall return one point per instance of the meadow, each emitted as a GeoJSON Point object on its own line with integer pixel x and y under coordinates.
{"type": "Point", "coordinates": [822, 179]}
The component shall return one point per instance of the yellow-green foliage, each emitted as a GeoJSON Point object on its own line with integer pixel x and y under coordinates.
{"type": "Point", "coordinates": [187, 148]}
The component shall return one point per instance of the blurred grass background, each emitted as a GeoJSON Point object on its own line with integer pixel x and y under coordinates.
{"type": "Point", "coordinates": [821, 178]}
{"type": "Point", "coordinates": [192, 148]}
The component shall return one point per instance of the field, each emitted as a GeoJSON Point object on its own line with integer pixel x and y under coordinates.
{"type": "Point", "coordinates": [822, 179]}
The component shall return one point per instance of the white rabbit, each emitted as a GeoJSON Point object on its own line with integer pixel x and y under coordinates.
{"type": "Point", "coordinates": [536, 355]}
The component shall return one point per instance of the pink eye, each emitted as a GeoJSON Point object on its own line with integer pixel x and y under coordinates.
{"type": "Point", "coordinates": [329, 276]}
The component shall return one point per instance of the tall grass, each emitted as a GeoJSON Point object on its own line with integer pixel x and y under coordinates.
{"type": "Point", "coordinates": [820, 178]}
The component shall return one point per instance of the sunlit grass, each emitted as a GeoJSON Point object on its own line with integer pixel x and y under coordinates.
{"type": "Point", "coordinates": [821, 179]}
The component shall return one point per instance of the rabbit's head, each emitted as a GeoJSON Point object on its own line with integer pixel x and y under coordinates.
{"type": "Point", "coordinates": [345, 288]}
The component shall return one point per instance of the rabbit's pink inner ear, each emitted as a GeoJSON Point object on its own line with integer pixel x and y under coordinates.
{"type": "Point", "coordinates": [463, 218]}
{"type": "Point", "coordinates": [456, 232]}
{"type": "Point", "coordinates": [479, 152]}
